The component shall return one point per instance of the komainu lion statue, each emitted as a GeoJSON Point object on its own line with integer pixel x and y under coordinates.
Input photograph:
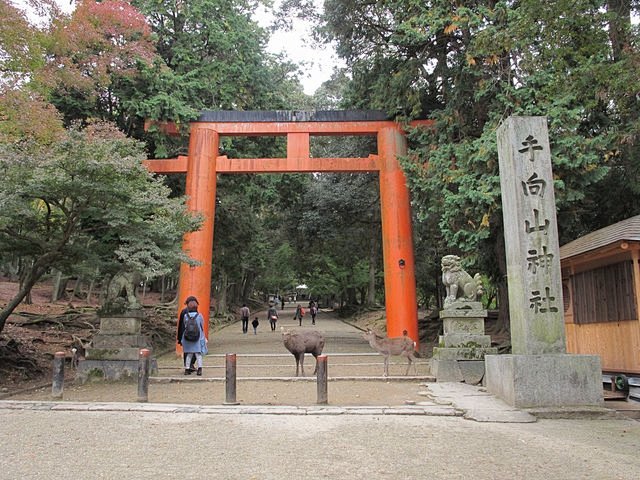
{"type": "Point", "coordinates": [121, 293]}
{"type": "Point", "coordinates": [460, 286]}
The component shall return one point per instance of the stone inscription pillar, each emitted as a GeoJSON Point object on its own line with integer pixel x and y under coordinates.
{"type": "Point", "coordinates": [539, 373]}
{"type": "Point", "coordinates": [201, 193]}
{"type": "Point", "coordinates": [397, 238]}
{"type": "Point", "coordinates": [531, 237]}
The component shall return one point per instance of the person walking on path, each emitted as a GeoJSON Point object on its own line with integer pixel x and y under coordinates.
{"type": "Point", "coordinates": [299, 314]}
{"type": "Point", "coordinates": [193, 339]}
{"type": "Point", "coordinates": [282, 299]}
{"type": "Point", "coordinates": [272, 315]}
{"type": "Point", "coordinates": [244, 315]}
{"type": "Point", "coordinates": [255, 324]}
{"type": "Point", "coordinates": [194, 304]}
{"type": "Point", "coordinates": [314, 311]}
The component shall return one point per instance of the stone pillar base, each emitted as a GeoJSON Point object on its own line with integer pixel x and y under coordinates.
{"type": "Point", "coordinates": [467, 371]}
{"type": "Point", "coordinates": [554, 380]}
{"type": "Point", "coordinates": [115, 349]}
{"type": "Point", "coordinates": [111, 370]}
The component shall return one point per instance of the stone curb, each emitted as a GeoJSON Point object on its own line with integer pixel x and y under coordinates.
{"type": "Point", "coordinates": [426, 410]}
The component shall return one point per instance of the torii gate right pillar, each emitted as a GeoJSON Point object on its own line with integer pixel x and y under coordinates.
{"type": "Point", "coordinates": [397, 239]}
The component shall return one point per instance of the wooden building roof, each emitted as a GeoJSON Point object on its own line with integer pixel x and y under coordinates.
{"type": "Point", "coordinates": [626, 230]}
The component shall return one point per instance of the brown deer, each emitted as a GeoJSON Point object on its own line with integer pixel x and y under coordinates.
{"type": "Point", "coordinates": [299, 343]}
{"type": "Point", "coordinates": [402, 346]}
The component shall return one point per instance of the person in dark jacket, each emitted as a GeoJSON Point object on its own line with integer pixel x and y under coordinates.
{"type": "Point", "coordinates": [193, 347]}
{"type": "Point", "coordinates": [244, 315]}
{"type": "Point", "coordinates": [272, 316]}
{"type": "Point", "coordinates": [299, 315]}
{"type": "Point", "coordinates": [194, 304]}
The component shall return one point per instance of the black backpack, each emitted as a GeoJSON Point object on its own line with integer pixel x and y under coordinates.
{"type": "Point", "coordinates": [191, 330]}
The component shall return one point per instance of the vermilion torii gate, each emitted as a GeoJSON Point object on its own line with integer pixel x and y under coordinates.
{"type": "Point", "coordinates": [203, 164]}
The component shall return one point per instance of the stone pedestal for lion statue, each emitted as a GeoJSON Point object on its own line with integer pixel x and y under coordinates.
{"type": "Point", "coordinates": [115, 349]}
{"type": "Point", "coordinates": [459, 356]}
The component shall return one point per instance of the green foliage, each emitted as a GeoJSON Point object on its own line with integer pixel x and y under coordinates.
{"type": "Point", "coordinates": [89, 55]}
{"type": "Point", "coordinates": [340, 232]}
{"type": "Point", "coordinates": [87, 200]}
{"type": "Point", "coordinates": [468, 66]}
{"type": "Point", "coordinates": [216, 59]}
{"type": "Point", "coordinates": [21, 46]}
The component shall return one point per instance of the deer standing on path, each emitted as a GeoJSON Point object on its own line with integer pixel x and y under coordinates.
{"type": "Point", "coordinates": [299, 343]}
{"type": "Point", "coordinates": [402, 346]}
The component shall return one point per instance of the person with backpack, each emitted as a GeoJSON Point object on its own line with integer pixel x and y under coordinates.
{"type": "Point", "coordinates": [255, 324]}
{"type": "Point", "coordinates": [193, 339]}
{"type": "Point", "coordinates": [194, 304]}
{"type": "Point", "coordinates": [299, 314]}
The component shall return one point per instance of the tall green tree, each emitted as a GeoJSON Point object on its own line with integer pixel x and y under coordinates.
{"type": "Point", "coordinates": [214, 58]}
{"type": "Point", "coordinates": [90, 55]}
{"type": "Point", "coordinates": [467, 66]}
{"type": "Point", "coordinates": [86, 199]}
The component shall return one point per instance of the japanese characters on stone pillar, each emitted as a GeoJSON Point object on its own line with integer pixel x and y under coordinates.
{"type": "Point", "coordinates": [531, 237]}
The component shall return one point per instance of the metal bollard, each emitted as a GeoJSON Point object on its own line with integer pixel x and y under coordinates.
{"type": "Point", "coordinates": [230, 379]}
{"type": "Point", "coordinates": [144, 362]}
{"type": "Point", "coordinates": [321, 377]}
{"type": "Point", "coordinates": [57, 383]}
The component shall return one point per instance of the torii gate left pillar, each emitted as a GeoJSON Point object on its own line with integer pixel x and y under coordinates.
{"type": "Point", "coordinates": [203, 164]}
{"type": "Point", "coordinates": [204, 143]}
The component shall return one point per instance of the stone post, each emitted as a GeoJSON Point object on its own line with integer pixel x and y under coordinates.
{"type": "Point", "coordinates": [539, 373]}
{"type": "Point", "coordinates": [57, 384]}
{"type": "Point", "coordinates": [230, 379]}
{"type": "Point", "coordinates": [321, 381]}
{"type": "Point", "coordinates": [144, 363]}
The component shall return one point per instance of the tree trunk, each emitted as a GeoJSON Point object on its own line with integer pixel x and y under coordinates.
{"type": "Point", "coordinates": [28, 280]}
{"type": "Point", "coordinates": [23, 281]}
{"type": "Point", "coordinates": [221, 303]}
{"type": "Point", "coordinates": [619, 26]}
{"type": "Point", "coordinates": [163, 283]}
{"type": "Point", "coordinates": [74, 292]}
{"type": "Point", "coordinates": [91, 285]}
{"type": "Point", "coordinates": [247, 286]}
{"type": "Point", "coordinates": [90, 290]}
{"type": "Point", "coordinates": [363, 295]}
{"type": "Point", "coordinates": [373, 262]}
{"type": "Point", "coordinates": [351, 296]}
{"type": "Point", "coordinates": [55, 293]}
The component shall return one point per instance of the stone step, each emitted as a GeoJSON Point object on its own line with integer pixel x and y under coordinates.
{"type": "Point", "coordinates": [120, 325]}
{"type": "Point", "coordinates": [464, 340]}
{"type": "Point", "coordinates": [121, 353]}
{"type": "Point", "coordinates": [461, 353]}
{"type": "Point", "coordinates": [101, 340]}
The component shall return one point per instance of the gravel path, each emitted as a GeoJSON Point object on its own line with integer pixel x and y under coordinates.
{"type": "Point", "coordinates": [108, 445]}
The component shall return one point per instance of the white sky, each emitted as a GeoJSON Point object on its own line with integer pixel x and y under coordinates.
{"type": "Point", "coordinates": [319, 60]}
{"type": "Point", "coordinates": [296, 44]}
